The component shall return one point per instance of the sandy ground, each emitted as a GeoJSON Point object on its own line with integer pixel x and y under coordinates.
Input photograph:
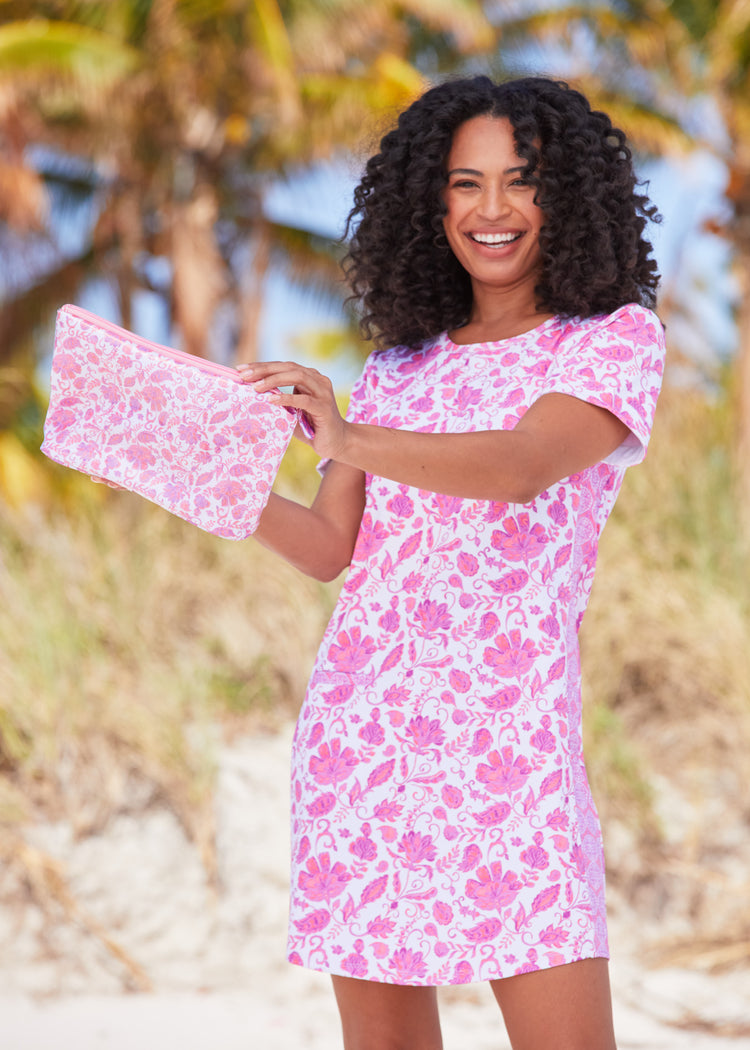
{"type": "Point", "coordinates": [215, 960]}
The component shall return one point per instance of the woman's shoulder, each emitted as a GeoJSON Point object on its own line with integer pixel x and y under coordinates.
{"type": "Point", "coordinates": [632, 323]}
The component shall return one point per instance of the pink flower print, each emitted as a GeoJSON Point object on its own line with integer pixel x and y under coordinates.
{"type": "Point", "coordinates": [488, 625]}
{"type": "Point", "coordinates": [513, 656]}
{"type": "Point", "coordinates": [467, 396]}
{"type": "Point", "coordinates": [480, 743]}
{"type": "Point", "coordinates": [504, 775]}
{"type": "Point", "coordinates": [155, 397]}
{"type": "Point", "coordinates": [484, 931]}
{"type": "Point", "coordinates": [425, 732]}
{"type": "Point", "coordinates": [535, 857]}
{"type": "Point", "coordinates": [543, 740]}
{"type": "Point", "coordinates": [380, 927]}
{"type": "Point", "coordinates": [372, 733]}
{"type": "Point", "coordinates": [388, 810]}
{"type": "Point", "coordinates": [494, 815]}
{"type": "Point", "coordinates": [432, 617]}
{"type": "Point", "coordinates": [615, 351]}
{"type": "Point", "coordinates": [67, 365]}
{"type": "Point", "coordinates": [553, 936]}
{"type": "Point", "coordinates": [402, 506]}
{"type": "Point", "coordinates": [351, 652]}
{"type": "Point", "coordinates": [407, 965]}
{"type": "Point", "coordinates": [503, 699]}
{"type": "Point", "coordinates": [229, 492]}
{"type": "Point", "coordinates": [141, 456]}
{"type": "Point", "coordinates": [372, 536]}
{"type": "Point", "coordinates": [463, 973]}
{"type": "Point", "coordinates": [175, 490]}
{"type": "Point", "coordinates": [248, 429]}
{"type": "Point", "coordinates": [459, 680]}
{"type": "Point", "coordinates": [447, 506]}
{"type": "Point", "coordinates": [332, 765]}
{"type": "Point", "coordinates": [412, 582]}
{"type": "Point", "coordinates": [442, 913]}
{"type": "Point", "coordinates": [557, 819]}
{"type": "Point", "coordinates": [321, 882]}
{"type": "Point", "coordinates": [472, 856]}
{"type": "Point", "coordinates": [190, 433]}
{"type": "Point", "coordinates": [550, 626]}
{"type": "Point", "coordinates": [452, 796]}
{"type": "Point", "coordinates": [389, 621]}
{"type": "Point", "coordinates": [363, 848]}
{"type": "Point", "coordinates": [322, 804]}
{"type": "Point", "coordinates": [558, 512]}
{"type": "Point", "coordinates": [518, 541]}
{"type": "Point", "coordinates": [416, 848]}
{"type": "Point", "coordinates": [467, 564]}
{"type": "Point", "coordinates": [355, 964]}
{"type": "Point", "coordinates": [493, 890]}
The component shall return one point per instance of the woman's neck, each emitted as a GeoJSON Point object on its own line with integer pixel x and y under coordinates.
{"type": "Point", "coordinates": [500, 315]}
{"type": "Point", "coordinates": [504, 326]}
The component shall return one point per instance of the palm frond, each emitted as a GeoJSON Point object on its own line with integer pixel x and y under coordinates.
{"type": "Point", "coordinates": [42, 49]}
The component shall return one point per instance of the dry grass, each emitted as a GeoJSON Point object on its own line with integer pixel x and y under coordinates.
{"type": "Point", "coordinates": [667, 676]}
{"type": "Point", "coordinates": [130, 642]}
{"type": "Point", "coordinates": [126, 638]}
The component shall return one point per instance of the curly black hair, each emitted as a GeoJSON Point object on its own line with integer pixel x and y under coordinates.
{"type": "Point", "coordinates": [594, 256]}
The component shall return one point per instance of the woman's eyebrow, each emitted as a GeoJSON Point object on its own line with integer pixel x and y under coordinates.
{"type": "Point", "coordinates": [473, 171]}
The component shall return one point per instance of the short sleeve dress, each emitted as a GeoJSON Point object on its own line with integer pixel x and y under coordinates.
{"type": "Point", "coordinates": [443, 830]}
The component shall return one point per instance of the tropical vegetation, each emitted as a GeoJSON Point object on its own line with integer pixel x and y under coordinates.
{"type": "Point", "coordinates": [138, 142]}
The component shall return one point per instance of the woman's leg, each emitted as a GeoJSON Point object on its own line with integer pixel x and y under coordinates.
{"type": "Point", "coordinates": [377, 1016]}
{"type": "Point", "coordinates": [562, 1008]}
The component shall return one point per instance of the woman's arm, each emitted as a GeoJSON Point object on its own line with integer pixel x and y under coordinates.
{"type": "Point", "coordinates": [318, 540]}
{"type": "Point", "coordinates": [558, 436]}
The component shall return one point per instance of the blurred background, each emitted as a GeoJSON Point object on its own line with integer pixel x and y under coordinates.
{"type": "Point", "coordinates": [185, 168]}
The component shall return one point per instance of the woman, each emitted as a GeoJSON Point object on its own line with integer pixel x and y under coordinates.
{"type": "Point", "coordinates": [443, 829]}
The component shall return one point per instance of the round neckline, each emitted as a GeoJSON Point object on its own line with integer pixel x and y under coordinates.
{"type": "Point", "coordinates": [508, 339]}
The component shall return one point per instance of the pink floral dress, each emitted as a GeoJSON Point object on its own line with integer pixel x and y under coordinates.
{"type": "Point", "coordinates": [443, 830]}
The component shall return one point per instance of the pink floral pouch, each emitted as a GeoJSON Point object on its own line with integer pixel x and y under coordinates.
{"type": "Point", "coordinates": [179, 430]}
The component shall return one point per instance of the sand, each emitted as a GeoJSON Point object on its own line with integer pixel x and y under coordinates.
{"type": "Point", "coordinates": [213, 956]}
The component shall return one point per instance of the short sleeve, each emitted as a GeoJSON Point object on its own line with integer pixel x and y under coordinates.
{"type": "Point", "coordinates": [616, 362]}
{"type": "Point", "coordinates": [360, 402]}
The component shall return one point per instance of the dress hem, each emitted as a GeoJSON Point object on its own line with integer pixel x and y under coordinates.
{"type": "Point", "coordinates": [334, 971]}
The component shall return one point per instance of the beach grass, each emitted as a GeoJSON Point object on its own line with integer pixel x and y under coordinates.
{"type": "Point", "coordinates": [132, 643]}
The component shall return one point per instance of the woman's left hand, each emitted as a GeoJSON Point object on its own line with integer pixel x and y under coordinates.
{"type": "Point", "coordinates": [312, 393]}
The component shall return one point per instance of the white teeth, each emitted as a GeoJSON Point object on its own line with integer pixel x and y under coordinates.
{"type": "Point", "coordinates": [494, 238]}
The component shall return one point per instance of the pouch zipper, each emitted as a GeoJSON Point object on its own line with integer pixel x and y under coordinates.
{"type": "Point", "coordinates": [212, 367]}
{"type": "Point", "coordinates": [178, 355]}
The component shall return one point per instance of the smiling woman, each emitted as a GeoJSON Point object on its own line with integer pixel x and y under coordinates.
{"type": "Point", "coordinates": [443, 827]}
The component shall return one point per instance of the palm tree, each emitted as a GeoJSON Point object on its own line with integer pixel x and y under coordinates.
{"type": "Point", "coordinates": [183, 139]}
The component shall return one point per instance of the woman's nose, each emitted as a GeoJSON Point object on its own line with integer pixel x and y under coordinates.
{"type": "Point", "coordinates": [494, 203]}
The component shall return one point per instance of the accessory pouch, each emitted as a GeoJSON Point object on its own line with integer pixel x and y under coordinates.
{"type": "Point", "coordinates": [183, 432]}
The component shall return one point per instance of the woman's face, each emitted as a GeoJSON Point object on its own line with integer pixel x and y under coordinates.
{"type": "Point", "coordinates": [492, 223]}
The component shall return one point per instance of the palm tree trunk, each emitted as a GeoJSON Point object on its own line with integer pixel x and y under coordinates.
{"type": "Point", "coordinates": [251, 297]}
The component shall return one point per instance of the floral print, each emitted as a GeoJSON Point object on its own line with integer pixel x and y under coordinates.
{"type": "Point", "coordinates": [180, 431]}
{"type": "Point", "coordinates": [443, 828]}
